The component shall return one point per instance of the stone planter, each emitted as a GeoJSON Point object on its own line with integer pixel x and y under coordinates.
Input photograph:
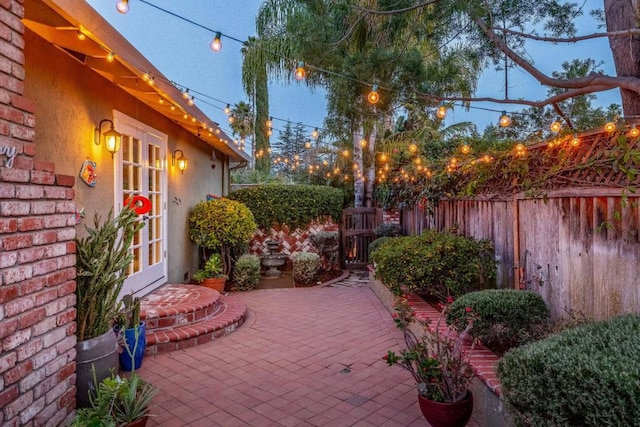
{"type": "Point", "coordinates": [100, 353]}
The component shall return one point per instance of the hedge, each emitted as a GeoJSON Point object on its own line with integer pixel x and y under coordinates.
{"type": "Point", "coordinates": [293, 205]}
{"type": "Point", "coordinates": [585, 376]}
{"type": "Point", "coordinates": [435, 263]}
{"type": "Point", "coordinates": [504, 318]}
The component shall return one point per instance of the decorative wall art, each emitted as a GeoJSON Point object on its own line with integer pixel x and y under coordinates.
{"type": "Point", "coordinates": [88, 173]}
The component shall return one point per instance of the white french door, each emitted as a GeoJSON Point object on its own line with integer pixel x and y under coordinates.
{"type": "Point", "coordinates": [141, 171]}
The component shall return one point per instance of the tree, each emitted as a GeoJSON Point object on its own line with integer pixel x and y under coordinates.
{"type": "Point", "coordinates": [500, 30]}
{"type": "Point", "coordinates": [242, 124]}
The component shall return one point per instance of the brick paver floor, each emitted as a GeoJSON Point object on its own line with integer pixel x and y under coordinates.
{"type": "Point", "coordinates": [304, 357]}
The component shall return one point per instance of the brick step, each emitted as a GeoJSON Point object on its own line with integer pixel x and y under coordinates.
{"type": "Point", "coordinates": [186, 315]}
{"type": "Point", "coordinates": [179, 305]}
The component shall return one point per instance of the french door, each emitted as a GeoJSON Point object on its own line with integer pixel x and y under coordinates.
{"type": "Point", "coordinates": [141, 171]}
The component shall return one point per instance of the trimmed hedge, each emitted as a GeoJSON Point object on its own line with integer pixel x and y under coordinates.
{"type": "Point", "coordinates": [305, 267]}
{"type": "Point", "coordinates": [585, 376]}
{"type": "Point", "coordinates": [435, 263]}
{"type": "Point", "coordinates": [292, 205]}
{"type": "Point", "coordinates": [504, 318]}
{"type": "Point", "coordinates": [373, 246]}
{"type": "Point", "coordinates": [246, 272]}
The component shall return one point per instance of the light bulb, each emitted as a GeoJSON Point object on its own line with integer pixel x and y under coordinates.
{"type": "Point", "coordinates": [111, 56]}
{"type": "Point", "coordinates": [216, 43]}
{"type": "Point", "coordinates": [465, 149]}
{"type": "Point", "coordinates": [383, 157]}
{"type": "Point", "coordinates": [555, 127]}
{"type": "Point", "coordinates": [193, 119]}
{"type": "Point", "coordinates": [81, 36]}
{"type": "Point", "coordinates": [575, 141]}
{"type": "Point", "coordinates": [307, 145]}
{"type": "Point", "coordinates": [185, 94]}
{"type": "Point", "coordinates": [269, 122]}
{"type": "Point", "coordinates": [190, 101]}
{"type": "Point", "coordinates": [634, 132]}
{"type": "Point", "coordinates": [231, 119]}
{"type": "Point", "coordinates": [151, 81]}
{"type": "Point", "coordinates": [610, 127]}
{"type": "Point", "coordinates": [269, 132]}
{"type": "Point", "coordinates": [504, 120]}
{"type": "Point", "coordinates": [363, 143]}
{"type": "Point", "coordinates": [146, 77]}
{"type": "Point", "coordinates": [185, 116]}
{"type": "Point", "coordinates": [520, 149]}
{"type": "Point", "coordinates": [441, 112]}
{"type": "Point", "coordinates": [122, 6]}
{"type": "Point", "coordinates": [345, 153]}
{"type": "Point", "coordinates": [300, 73]}
{"type": "Point", "coordinates": [315, 133]}
{"type": "Point", "coordinates": [413, 148]}
{"type": "Point", "coordinates": [227, 109]}
{"type": "Point", "coordinates": [373, 96]}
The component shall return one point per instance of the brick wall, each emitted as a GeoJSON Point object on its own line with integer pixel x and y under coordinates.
{"type": "Point", "coordinates": [37, 261]}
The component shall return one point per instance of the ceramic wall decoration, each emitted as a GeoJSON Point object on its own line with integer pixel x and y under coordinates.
{"type": "Point", "coordinates": [88, 173]}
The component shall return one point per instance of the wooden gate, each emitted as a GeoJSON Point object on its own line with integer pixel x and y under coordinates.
{"type": "Point", "coordinates": [357, 232]}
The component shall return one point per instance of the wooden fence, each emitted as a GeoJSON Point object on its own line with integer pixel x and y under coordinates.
{"type": "Point", "coordinates": [579, 248]}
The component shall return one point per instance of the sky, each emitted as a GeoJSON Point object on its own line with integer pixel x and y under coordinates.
{"type": "Point", "coordinates": [180, 50]}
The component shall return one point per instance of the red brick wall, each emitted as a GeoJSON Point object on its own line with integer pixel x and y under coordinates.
{"type": "Point", "coordinates": [37, 261]}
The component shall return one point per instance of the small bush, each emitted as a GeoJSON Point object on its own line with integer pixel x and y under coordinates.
{"type": "Point", "coordinates": [376, 243]}
{"type": "Point", "coordinates": [246, 272]}
{"type": "Point", "coordinates": [387, 230]}
{"type": "Point", "coordinates": [585, 376]}
{"type": "Point", "coordinates": [305, 267]}
{"type": "Point", "coordinates": [435, 263]}
{"type": "Point", "coordinates": [506, 318]}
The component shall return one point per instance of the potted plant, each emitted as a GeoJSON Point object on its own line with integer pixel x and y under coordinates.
{"type": "Point", "coordinates": [211, 274]}
{"type": "Point", "coordinates": [220, 225]}
{"type": "Point", "coordinates": [132, 333]}
{"type": "Point", "coordinates": [118, 401]}
{"type": "Point", "coordinates": [437, 363]}
{"type": "Point", "coordinates": [102, 264]}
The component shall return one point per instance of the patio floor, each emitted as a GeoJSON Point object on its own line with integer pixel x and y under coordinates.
{"type": "Point", "coordinates": [304, 357]}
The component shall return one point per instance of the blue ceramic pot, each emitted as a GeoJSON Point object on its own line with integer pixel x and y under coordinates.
{"type": "Point", "coordinates": [139, 334]}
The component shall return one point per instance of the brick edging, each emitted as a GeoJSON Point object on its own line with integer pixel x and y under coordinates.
{"type": "Point", "coordinates": [482, 360]}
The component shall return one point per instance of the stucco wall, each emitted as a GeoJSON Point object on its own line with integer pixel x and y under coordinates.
{"type": "Point", "coordinates": [71, 100]}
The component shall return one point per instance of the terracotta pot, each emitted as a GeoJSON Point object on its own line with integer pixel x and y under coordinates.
{"type": "Point", "coordinates": [216, 283]}
{"type": "Point", "coordinates": [140, 422]}
{"type": "Point", "coordinates": [440, 414]}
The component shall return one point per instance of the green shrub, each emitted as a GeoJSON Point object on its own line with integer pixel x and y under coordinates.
{"type": "Point", "coordinates": [585, 376]}
{"type": "Point", "coordinates": [305, 267]}
{"type": "Point", "coordinates": [221, 225]}
{"type": "Point", "coordinates": [292, 205]}
{"type": "Point", "coordinates": [246, 272]}
{"type": "Point", "coordinates": [435, 263]}
{"type": "Point", "coordinates": [387, 230]}
{"type": "Point", "coordinates": [376, 243]}
{"type": "Point", "coordinates": [506, 318]}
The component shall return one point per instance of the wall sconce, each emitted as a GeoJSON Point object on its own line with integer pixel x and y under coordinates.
{"type": "Point", "coordinates": [180, 159]}
{"type": "Point", "coordinates": [112, 138]}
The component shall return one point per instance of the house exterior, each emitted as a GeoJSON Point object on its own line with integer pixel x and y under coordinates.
{"type": "Point", "coordinates": [55, 91]}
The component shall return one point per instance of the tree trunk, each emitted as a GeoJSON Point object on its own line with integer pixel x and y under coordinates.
{"type": "Point", "coordinates": [622, 15]}
{"type": "Point", "coordinates": [358, 182]}
{"type": "Point", "coordinates": [263, 164]}
{"type": "Point", "coordinates": [371, 168]}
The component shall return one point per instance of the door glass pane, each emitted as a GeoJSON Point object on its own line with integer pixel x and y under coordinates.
{"type": "Point", "coordinates": [136, 150]}
{"type": "Point", "coordinates": [137, 172]}
{"type": "Point", "coordinates": [126, 177]}
{"type": "Point", "coordinates": [126, 148]}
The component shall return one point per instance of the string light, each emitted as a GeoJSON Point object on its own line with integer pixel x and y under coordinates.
{"type": "Point", "coordinates": [81, 36]}
{"type": "Point", "coordinates": [575, 141]}
{"type": "Point", "coordinates": [315, 134]}
{"type": "Point", "coordinates": [151, 81]}
{"type": "Point", "coordinates": [634, 132]}
{"type": "Point", "coordinates": [307, 145]}
{"type": "Point", "coordinates": [216, 43]}
{"type": "Point", "coordinates": [504, 120]}
{"type": "Point", "coordinates": [111, 56]}
{"type": "Point", "coordinates": [122, 6]}
{"type": "Point", "coordinates": [269, 122]}
{"type": "Point", "coordinates": [465, 149]}
{"type": "Point", "coordinates": [441, 112]}
{"type": "Point", "coordinates": [520, 150]}
{"type": "Point", "coordinates": [190, 101]}
{"type": "Point", "coordinates": [300, 72]}
{"type": "Point", "coordinates": [373, 96]}
{"type": "Point", "coordinates": [363, 143]}
{"type": "Point", "coordinates": [413, 148]}
{"type": "Point", "coordinates": [231, 119]}
{"type": "Point", "coordinates": [227, 109]}
{"type": "Point", "coordinates": [383, 157]}
{"type": "Point", "coordinates": [345, 153]}
{"type": "Point", "coordinates": [555, 127]}
{"type": "Point", "coordinates": [610, 127]}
